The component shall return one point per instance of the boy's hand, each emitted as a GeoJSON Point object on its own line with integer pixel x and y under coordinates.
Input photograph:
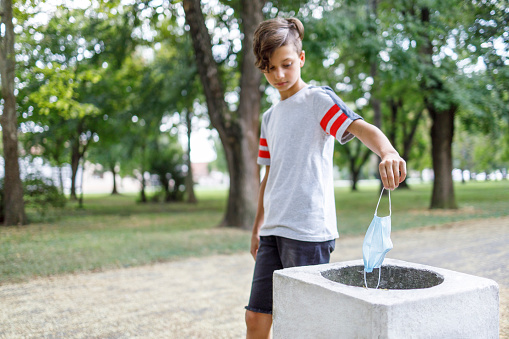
{"type": "Point", "coordinates": [392, 170]}
{"type": "Point", "coordinates": [255, 242]}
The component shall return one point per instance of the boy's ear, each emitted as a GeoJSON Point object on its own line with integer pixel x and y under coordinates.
{"type": "Point", "coordinates": [302, 58]}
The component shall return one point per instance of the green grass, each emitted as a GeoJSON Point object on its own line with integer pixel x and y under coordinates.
{"type": "Point", "coordinates": [410, 208]}
{"type": "Point", "coordinates": [115, 231]}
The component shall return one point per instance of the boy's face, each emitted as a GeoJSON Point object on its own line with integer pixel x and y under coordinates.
{"type": "Point", "coordinates": [284, 71]}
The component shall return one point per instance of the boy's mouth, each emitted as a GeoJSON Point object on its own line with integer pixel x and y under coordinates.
{"type": "Point", "coordinates": [279, 84]}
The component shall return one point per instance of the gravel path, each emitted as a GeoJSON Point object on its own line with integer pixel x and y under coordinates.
{"type": "Point", "coordinates": [204, 297]}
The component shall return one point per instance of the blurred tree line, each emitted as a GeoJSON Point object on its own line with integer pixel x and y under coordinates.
{"type": "Point", "coordinates": [111, 82]}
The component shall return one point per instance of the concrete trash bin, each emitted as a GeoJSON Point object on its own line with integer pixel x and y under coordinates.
{"type": "Point", "coordinates": [413, 301]}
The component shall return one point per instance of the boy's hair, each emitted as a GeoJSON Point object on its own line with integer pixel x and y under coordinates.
{"type": "Point", "coordinates": [274, 33]}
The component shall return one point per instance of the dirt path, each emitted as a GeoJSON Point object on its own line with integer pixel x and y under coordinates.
{"type": "Point", "coordinates": [204, 297]}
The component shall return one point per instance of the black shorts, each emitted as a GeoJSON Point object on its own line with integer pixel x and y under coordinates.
{"type": "Point", "coordinates": [275, 253]}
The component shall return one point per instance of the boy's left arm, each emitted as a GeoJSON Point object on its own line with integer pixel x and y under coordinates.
{"type": "Point", "coordinates": [392, 167]}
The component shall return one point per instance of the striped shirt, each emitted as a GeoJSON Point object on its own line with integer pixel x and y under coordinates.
{"type": "Point", "coordinates": [296, 142]}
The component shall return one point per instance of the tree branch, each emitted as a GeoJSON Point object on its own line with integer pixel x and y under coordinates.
{"type": "Point", "coordinates": [207, 67]}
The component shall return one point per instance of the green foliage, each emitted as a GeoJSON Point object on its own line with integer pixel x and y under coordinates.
{"type": "Point", "coordinates": [343, 46]}
{"type": "Point", "coordinates": [167, 161]}
{"type": "Point", "coordinates": [107, 77]}
{"type": "Point", "coordinates": [39, 194]}
{"type": "Point", "coordinates": [60, 92]}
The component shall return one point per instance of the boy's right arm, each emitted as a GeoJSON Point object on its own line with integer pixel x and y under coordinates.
{"type": "Point", "coordinates": [255, 238]}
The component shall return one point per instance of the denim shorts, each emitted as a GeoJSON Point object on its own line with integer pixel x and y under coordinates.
{"type": "Point", "coordinates": [275, 253]}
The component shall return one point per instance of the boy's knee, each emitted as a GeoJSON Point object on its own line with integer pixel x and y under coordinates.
{"type": "Point", "coordinates": [256, 320]}
{"type": "Point", "coordinates": [251, 319]}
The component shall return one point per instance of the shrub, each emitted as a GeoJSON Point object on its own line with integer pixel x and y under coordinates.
{"type": "Point", "coordinates": [38, 193]}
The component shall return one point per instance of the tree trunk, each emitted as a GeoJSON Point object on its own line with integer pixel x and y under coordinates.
{"type": "Point", "coordinates": [13, 187]}
{"type": "Point", "coordinates": [82, 181]}
{"type": "Point", "coordinates": [442, 128]}
{"type": "Point", "coordinates": [61, 179]}
{"type": "Point", "coordinates": [355, 164]}
{"type": "Point", "coordinates": [143, 196]}
{"type": "Point", "coordinates": [75, 162]}
{"type": "Point", "coordinates": [242, 167]}
{"type": "Point", "coordinates": [112, 168]}
{"type": "Point", "coordinates": [238, 131]}
{"type": "Point", "coordinates": [77, 152]}
{"type": "Point", "coordinates": [191, 197]}
{"type": "Point", "coordinates": [442, 132]}
{"type": "Point", "coordinates": [168, 196]}
{"type": "Point", "coordinates": [355, 178]}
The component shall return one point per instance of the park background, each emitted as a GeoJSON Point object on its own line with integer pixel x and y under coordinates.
{"type": "Point", "coordinates": [130, 128]}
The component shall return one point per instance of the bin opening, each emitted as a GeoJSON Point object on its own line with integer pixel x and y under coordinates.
{"type": "Point", "coordinates": [392, 277]}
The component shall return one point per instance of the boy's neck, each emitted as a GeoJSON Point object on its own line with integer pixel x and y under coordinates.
{"type": "Point", "coordinates": [300, 84]}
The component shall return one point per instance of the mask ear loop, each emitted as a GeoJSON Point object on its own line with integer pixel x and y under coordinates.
{"type": "Point", "coordinates": [379, 276]}
{"type": "Point", "coordinates": [376, 211]}
{"type": "Point", "coordinates": [390, 207]}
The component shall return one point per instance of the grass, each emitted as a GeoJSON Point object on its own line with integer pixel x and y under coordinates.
{"type": "Point", "coordinates": [410, 208]}
{"type": "Point", "coordinates": [115, 231]}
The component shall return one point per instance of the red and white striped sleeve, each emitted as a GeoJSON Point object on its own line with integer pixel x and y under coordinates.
{"type": "Point", "coordinates": [263, 148]}
{"type": "Point", "coordinates": [335, 116]}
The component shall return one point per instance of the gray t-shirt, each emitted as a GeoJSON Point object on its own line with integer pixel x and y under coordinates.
{"type": "Point", "coordinates": [297, 141]}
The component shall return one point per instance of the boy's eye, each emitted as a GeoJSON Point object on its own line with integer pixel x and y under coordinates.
{"type": "Point", "coordinates": [286, 66]}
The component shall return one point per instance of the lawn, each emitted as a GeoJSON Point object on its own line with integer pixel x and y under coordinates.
{"type": "Point", "coordinates": [115, 231]}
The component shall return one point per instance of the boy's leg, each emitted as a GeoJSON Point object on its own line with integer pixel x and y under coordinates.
{"type": "Point", "coordinates": [258, 325]}
{"type": "Point", "coordinates": [259, 310]}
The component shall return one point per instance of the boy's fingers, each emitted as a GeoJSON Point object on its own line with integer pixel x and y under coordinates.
{"type": "Point", "coordinates": [390, 177]}
{"type": "Point", "coordinates": [385, 175]}
{"type": "Point", "coordinates": [395, 169]}
{"type": "Point", "coordinates": [402, 168]}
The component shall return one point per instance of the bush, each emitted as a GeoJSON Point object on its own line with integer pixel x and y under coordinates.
{"type": "Point", "coordinates": [42, 193]}
{"type": "Point", "coordinates": [38, 193]}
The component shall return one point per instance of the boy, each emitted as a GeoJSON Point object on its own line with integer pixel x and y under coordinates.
{"type": "Point", "coordinates": [295, 224]}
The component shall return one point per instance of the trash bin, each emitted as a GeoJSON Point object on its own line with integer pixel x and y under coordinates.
{"type": "Point", "coordinates": [412, 301]}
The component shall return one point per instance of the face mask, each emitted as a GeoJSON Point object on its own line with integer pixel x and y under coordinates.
{"type": "Point", "coordinates": [377, 242]}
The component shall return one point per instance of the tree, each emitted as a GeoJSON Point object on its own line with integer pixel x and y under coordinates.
{"type": "Point", "coordinates": [191, 197]}
{"type": "Point", "coordinates": [60, 103]}
{"type": "Point", "coordinates": [13, 188]}
{"type": "Point", "coordinates": [423, 52]}
{"type": "Point", "coordinates": [444, 37]}
{"type": "Point", "coordinates": [238, 129]}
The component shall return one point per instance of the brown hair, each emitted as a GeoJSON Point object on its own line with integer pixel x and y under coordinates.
{"type": "Point", "coordinates": [274, 33]}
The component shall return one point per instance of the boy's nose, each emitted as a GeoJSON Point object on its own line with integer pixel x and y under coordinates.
{"type": "Point", "coordinates": [279, 74]}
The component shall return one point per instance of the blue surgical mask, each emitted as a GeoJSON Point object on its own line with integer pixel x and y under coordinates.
{"type": "Point", "coordinates": [377, 241]}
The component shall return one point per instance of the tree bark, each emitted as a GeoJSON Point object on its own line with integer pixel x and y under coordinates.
{"type": "Point", "coordinates": [75, 163]}
{"type": "Point", "coordinates": [61, 179]}
{"type": "Point", "coordinates": [191, 197]}
{"type": "Point", "coordinates": [442, 132]}
{"type": "Point", "coordinates": [143, 196]}
{"type": "Point", "coordinates": [77, 152]}
{"type": "Point", "coordinates": [82, 193]}
{"type": "Point", "coordinates": [238, 130]}
{"type": "Point", "coordinates": [112, 168]}
{"type": "Point", "coordinates": [13, 187]}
